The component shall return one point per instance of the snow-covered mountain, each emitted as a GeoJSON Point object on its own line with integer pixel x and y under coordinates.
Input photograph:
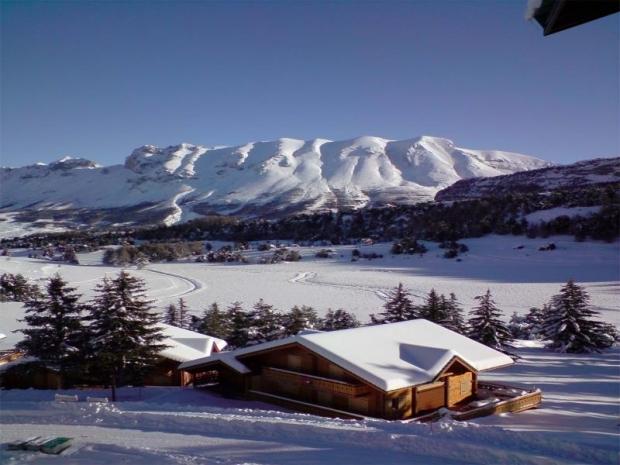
{"type": "Point", "coordinates": [599, 171]}
{"type": "Point", "coordinates": [271, 178]}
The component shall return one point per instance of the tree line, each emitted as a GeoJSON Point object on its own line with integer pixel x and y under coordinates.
{"type": "Point", "coordinates": [114, 338]}
{"type": "Point", "coordinates": [568, 323]}
{"type": "Point", "coordinates": [433, 221]}
{"type": "Point", "coordinates": [241, 327]}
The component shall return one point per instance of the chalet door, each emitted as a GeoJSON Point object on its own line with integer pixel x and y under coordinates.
{"type": "Point", "coordinates": [459, 387]}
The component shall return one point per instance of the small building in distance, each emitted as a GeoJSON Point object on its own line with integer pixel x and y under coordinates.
{"type": "Point", "coordinates": [182, 345]}
{"type": "Point", "coordinates": [392, 371]}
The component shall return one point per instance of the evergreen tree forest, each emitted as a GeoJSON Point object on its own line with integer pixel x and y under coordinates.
{"type": "Point", "coordinates": [403, 224]}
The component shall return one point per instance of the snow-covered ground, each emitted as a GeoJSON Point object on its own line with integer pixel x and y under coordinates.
{"type": "Point", "coordinates": [577, 424]}
{"type": "Point", "coordinates": [519, 278]}
{"type": "Point", "coordinates": [553, 213]}
{"type": "Point", "coordinates": [10, 228]}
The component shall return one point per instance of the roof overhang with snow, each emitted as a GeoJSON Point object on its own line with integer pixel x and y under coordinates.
{"type": "Point", "coordinates": [558, 15]}
{"type": "Point", "coordinates": [184, 345]}
{"type": "Point", "coordinates": [391, 356]}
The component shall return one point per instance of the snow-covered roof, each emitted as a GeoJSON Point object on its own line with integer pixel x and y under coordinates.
{"type": "Point", "coordinates": [390, 356]}
{"type": "Point", "coordinates": [184, 345]}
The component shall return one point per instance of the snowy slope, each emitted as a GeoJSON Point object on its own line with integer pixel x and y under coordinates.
{"type": "Point", "coordinates": [600, 171]}
{"type": "Point", "coordinates": [260, 178]}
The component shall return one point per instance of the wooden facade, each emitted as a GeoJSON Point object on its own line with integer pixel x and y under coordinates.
{"type": "Point", "coordinates": [30, 375]}
{"type": "Point", "coordinates": [38, 376]}
{"type": "Point", "coordinates": [310, 382]}
{"type": "Point", "coordinates": [166, 373]}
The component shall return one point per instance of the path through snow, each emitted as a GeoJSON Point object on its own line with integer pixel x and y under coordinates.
{"type": "Point", "coordinates": [193, 285]}
{"type": "Point", "coordinates": [309, 277]}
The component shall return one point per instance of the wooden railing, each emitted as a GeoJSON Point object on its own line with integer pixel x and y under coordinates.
{"type": "Point", "coordinates": [315, 382]}
{"type": "Point", "coordinates": [526, 399]}
{"type": "Point", "coordinates": [519, 403]}
{"type": "Point", "coordinates": [11, 355]}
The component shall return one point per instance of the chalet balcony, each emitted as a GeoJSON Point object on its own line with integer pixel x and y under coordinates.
{"type": "Point", "coordinates": [318, 383]}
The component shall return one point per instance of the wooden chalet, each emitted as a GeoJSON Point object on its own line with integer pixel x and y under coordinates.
{"type": "Point", "coordinates": [182, 345]}
{"type": "Point", "coordinates": [392, 371]}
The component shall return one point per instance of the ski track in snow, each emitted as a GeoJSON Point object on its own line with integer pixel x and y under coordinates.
{"type": "Point", "coordinates": [193, 284]}
{"type": "Point", "coordinates": [309, 278]}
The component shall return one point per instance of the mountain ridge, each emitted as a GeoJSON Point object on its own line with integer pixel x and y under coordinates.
{"type": "Point", "coordinates": [264, 178]}
{"type": "Point", "coordinates": [597, 171]}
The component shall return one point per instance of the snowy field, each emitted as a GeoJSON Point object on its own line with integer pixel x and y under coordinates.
{"type": "Point", "coordinates": [9, 228]}
{"type": "Point", "coordinates": [518, 278]}
{"type": "Point", "coordinates": [577, 424]}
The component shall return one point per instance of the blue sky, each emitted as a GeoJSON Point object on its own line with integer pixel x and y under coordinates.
{"type": "Point", "coordinates": [97, 79]}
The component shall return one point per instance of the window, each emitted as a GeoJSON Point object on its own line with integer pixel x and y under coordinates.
{"type": "Point", "coordinates": [395, 403]}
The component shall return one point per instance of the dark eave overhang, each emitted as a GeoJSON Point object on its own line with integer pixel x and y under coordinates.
{"type": "Point", "coordinates": [558, 15]}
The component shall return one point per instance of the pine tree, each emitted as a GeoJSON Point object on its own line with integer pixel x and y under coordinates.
{"type": "Point", "coordinates": [141, 260]}
{"type": "Point", "coordinates": [518, 327]}
{"type": "Point", "coordinates": [485, 325]}
{"type": "Point", "coordinates": [398, 307]}
{"type": "Point", "coordinates": [611, 335]}
{"type": "Point", "coordinates": [299, 319]}
{"type": "Point", "coordinates": [214, 322]}
{"type": "Point", "coordinates": [238, 321]}
{"type": "Point", "coordinates": [534, 322]}
{"type": "Point", "coordinates": [125, 336]}
{"type": "Point", "coordinates": [14, 287]}
{"type": "Point", "coordinates": [569, 325]}
{"type": "Point", "coordinates": [339, 319]}
{"type": "Point", "coordinates": [171, 316]}
{"type": "Point", "coordinates": [434, 309]}
{"type": "Point", "coordinates": [264, 324]}
{"type": "Point", "coordinates": [454, 319]}
{"type": "Point", "coordinates": [54, 327]}
{"type": "Point", "coordinates": [70, 256]}
{"type": "Point", "coordinates": [178, 315]}
{"type": "Point", "coordinates": [184, 318]}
